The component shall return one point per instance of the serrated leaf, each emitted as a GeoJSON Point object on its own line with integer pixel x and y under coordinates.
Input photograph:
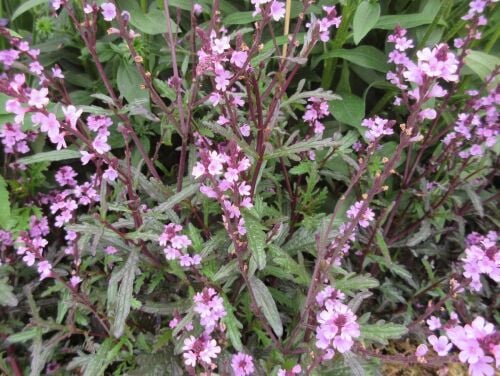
{"type": "Point", "coordinates": [288, 265]}
{"type": "Point", "coordinates": [358, 282]}
{"type": "Point", "coordinates": [365, 18]}
{"type": "Point", "coordinates": [177, 198]}
{"type": "Point", "coordinates": [51, 156]}
{"type": "Point", "coordinates": [421, 235]}
{"type": "Point", "coordinates": [266, 304]}
{"type": "Point", "coordinates": [233, 326]}
{"type": "Point", "coordinates": [24, 336]}
{"type": "Point", "coordinates": [476, 201]}
{"type": "Point", "coordinates": [122, 304]}
{"type": "Point", "coordinates": [256, 238]}
{"type": "Point", "coordinates": [299, 147]}
{"type": "Point", "coordinates": [381, 332]}
{"type": "Point", "coordinates": [379, 238]}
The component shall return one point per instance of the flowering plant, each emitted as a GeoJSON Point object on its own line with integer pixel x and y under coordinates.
{"type": "Point", "coordinates": [237, 189]}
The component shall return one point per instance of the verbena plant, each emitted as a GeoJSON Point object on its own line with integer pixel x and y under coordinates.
{"type": "Point", "coordinates": [266, 187]}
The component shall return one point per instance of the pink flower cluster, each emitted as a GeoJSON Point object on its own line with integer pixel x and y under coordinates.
{"type": "Point", "coordinates": [176, 245]}
{"type": "Point", "coordinates": [203, 349]}
{"type": "Point", "coordinates": [224, 171]}
{"type": "Point", "coordinates": [242, 364]}
{"type": "Point", "coordinates": [326, 23]}
{"type": "Point", "coordinates": [377, 127]}
{"type": "Point", "coordinates": [432, 65]}
{"type": "Point", "coordinates": [66, 202]}
{"type": "Point", "coordinates": [337, 327]}
{"type": "Point", "coordinates": [482, 257]}
{"type": "Point", "coordinates": [478, 344]}
{"type": "Point", "coordinates": [30, 245]}
{"type": "Point", "coordinates": [316, 109]}
{"type": "Point", "coordinates": [366, 217]}
{"type": "Point", "coordinates": [14, 140]}
{"type": "Point", "coordinates": [476, 131]}
{"type": "Point", "coordinates": [210, 306]}
{"type": "Point", "coordinates": [276, 9]}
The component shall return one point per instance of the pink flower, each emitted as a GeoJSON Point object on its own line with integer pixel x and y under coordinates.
{"type": "Point", "coordinates": [86, 157]}
{"type": "Point", "coordinates": [440, 345]}
{"type": "Point", "coordinates": [108, 11]}
{"type": "Point", "coordinates": [72, 115]}
{"type": "Point", "coordinates": [74, 281]}
{"type": "Point", "coordinates": [220, 45]}
{"type": "Point", "coordinates": [38, 98]}
{"type": "Point", "coordinates": [242, 364]}
{"type": "Point", "coordinates": [100, 144]}
{"type": "Point", "coordinates": [245, 130]}
{"type": "Point", "coordinates": [434, 323]}
{"type": "Point", "coordinates": [45, 269]}
{"type": "Point", "coordinates": [239, 58]}
{"type": "Point", "coordinates": [197, 350]}
{"type": "Point", "coordinates": [222, 78]}
{"type": "Point", "coordinates": [110, 174]}
{"type": "Point", "coordinates": [66, 176]}
{"type": "Point", "coordinates": [365, 219]}
{"type": "Point", "coordinates": [421, 350]}
{"type": "Point", "coordinates": [197, 9]}
{"type": "Point", "coordinates": [210, 306]}
{"type": "Point", "coordinates": [110, 250]}
{"type": "Point", "coordinates": [277, 10]}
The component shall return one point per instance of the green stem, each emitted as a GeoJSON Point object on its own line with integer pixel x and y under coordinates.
{"type": "Point", "coordinates": [330, 65]}
{"type": "Point", "coordinates": [144, 6]}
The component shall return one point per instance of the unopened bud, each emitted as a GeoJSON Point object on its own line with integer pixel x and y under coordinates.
{"type": "Point", "coordinates": [385, 160]}
{"type": "Point", "coordinates": [138, 59]}
{"type": "Point", "coordinates": [365, 196]}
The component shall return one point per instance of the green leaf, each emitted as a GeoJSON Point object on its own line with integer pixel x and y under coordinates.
{"type": "Point", "coordinates": [364, 56]}
{"type": "Point", "coordinates": [241, 18]}
{"type": "Point", "coordinates": [473, 196]}
{"type": "Point", "coordinates": [122, 303]}
{"type": "Point", "coordinates": [4, 205]}
{"type": "Point", "coordinates": [51, 156]}
{"type": "Point", "coordinates": [379, 238]}
{"type": "Point", "coordinates": [299, 147]}
{"type": "Point", "coordinates": [266, 304]}
{"type": "Point", "coordinates": [406, 21]}
{"type": "Point", "coordinates": [233, 326]}
{"type": "Point", "coordinates": [256, 238]}
{"type": "Point", "coordinates": [421, 235]}
{"type": "Point", "coordinates": [129, 82]}
{"type": "Point", "coordinates": [102, 358]}
{"type": "Point", "coordinates": [177, 198]}
{"type": "Point", "coordinates": [26, 6]}
{"type": "Point", "coordinates": [354, 282]}
{"type": "Point", "coordinates": [381, 332]}
{"type": "Point", "coordinates": [288, 265]}
{"type": "Point", "coordinates": [24, 336]}
{"type": "Point", "coordinates": [365, 18]}
{"type": "Point", "coordinates": [152, 23]}
{"type": "Point", "coordinates": [7, 298]}
{"type": "Point", "coordinates": [350, 110]}
{"type": "Point", "coordinates": [481, 63]}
